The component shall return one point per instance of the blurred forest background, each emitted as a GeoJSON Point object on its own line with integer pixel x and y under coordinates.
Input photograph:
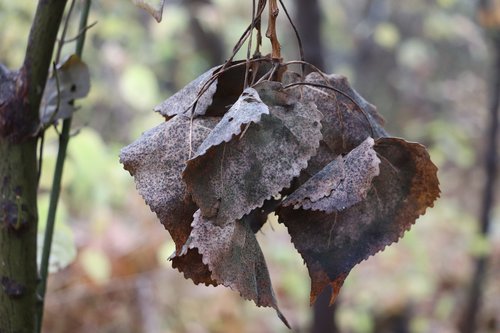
{"type": "Point", "coordinates": [426, 66]}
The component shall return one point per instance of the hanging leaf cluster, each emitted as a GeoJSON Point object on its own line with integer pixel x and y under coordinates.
{"type": "Point", "coordinates": [250, 138]}
{"type": "Point", "coordinates": [312, 151]}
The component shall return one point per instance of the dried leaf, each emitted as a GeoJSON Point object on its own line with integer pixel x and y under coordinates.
{"type": "Point", "coordinates": [156, 161]}
{"type": "Point", "coordinates": [233, 178]}
{"type": "Point", "coordinates": [342, 183]}
{"type": "Point", "coordinates": [332, 244]}
{"type": "Point", "coordinates": [155, 11]}
{"type": "Point", "coordinates": [217, 96]}
{"type": "Point", "coordinates": [235, 259]}
{"type": "Point", "coordinates": [348, 118]}
{"type": "Point", "coordinates": [70, 81]}
{"type": "Point", "coordinates": [182, 101]}
{"type": "Point", "coordinates": [247, 109]}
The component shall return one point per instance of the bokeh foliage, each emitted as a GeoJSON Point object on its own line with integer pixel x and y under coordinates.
{"type": "Point", "coordinates": [423, 63]}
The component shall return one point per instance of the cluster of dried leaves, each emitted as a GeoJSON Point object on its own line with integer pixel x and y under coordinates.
{"type": "Point", "coordinates": [311, 150]}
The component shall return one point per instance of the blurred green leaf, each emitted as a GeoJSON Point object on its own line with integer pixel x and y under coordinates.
{"type": "Point", "coordinates": [96, 265]}
{"type": "Point", "coordinates": [386, 35]}
{"type": "Point", "coordinates": [139, 87]}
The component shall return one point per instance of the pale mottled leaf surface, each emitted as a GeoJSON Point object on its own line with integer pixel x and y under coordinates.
{"type": "Point", "coordinates": [332, 244]}
{"type": "Point", "coordinates": [156, 161]}
{"type": "Point", "coordinates": [233, 178]}
{"type": "Point", "coordinates": [234, 258]}
{"type": "Point", "coordinates": [247, 109]}
{"type": "Point", "coordinates": [342, 183]}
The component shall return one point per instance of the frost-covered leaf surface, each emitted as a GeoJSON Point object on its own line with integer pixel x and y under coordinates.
{"type": "Point", "coordinates": [342, 183]}
{"type": "Point", "coordinates": [70, 81]}
{"type": "Point", "coordinates": [332, 244]}
{"type": "Point", "coordinates": [231, 179]}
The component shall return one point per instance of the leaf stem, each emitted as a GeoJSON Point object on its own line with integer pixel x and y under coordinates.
{"type": "Point", "coordinates": [271, 30]}
{"type": "Point", "coordinates": [56, 184]}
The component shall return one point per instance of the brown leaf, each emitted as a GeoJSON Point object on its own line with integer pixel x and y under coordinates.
{"type": "Point", "coordinates": [235, 259]}
{"type": "Point", "coordinates": [332, 244]}
{"type": "Point", "coordinates": [342, 183]}
{"type": "Point", "coordinates": [217, 96]}
{"type": "Point", "coordinates": [156, 161]}
{"type": "Point", "coordinates": [348, 118]}
{"type": "Point", "coordinates": [233, 178]}
{"type": "Point", "coordinates": [247, 109]}
{"type": "Point", "coordinates": [182, 101]}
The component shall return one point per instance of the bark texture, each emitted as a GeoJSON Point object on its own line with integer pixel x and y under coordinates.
{"type": "Point", "coordinates": [20, 95]}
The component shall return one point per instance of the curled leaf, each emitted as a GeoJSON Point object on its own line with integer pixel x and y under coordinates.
{"type": "Point", "coordinates": [212, 93]}
{"type": "Point", "coordinates": [70, 81]}
{"type": "Point", "coordinates": [332, 244]}
{"type": "Point", "coordinates": [247, 109]}
{"type": "Point", "coordinates": [231, 179]}
{"type": "Point", "coordinates": [155, 11]}
{"type": "Point", "coordinates": [235, 259]}
{"type": "Point", "coordinates": [342, 183]}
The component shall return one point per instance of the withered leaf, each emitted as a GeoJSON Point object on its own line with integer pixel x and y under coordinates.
{"type": "Point", "coordinates": [332, 244]}
{"type": "Point", "coordinates": [70, 81]}
{"type": "Point", "coordinates": [212, 99]}
{"type": "Point", "coordinates": [348, 118]}
{"type": "Point", "coordinates": [155, 11]}
{"type": "Point", "coordinates": [235, 259]}
{"type": "Point", "coordinates": [247, 109]}
{"type": "Point", "coordinates": [182, 101]}
{"type": "Point", "coordinates": [233, 178]}
{"type": "Point", "coordinates": [342, 183]}
{"type": "Point", "coordinates": [156, 161]}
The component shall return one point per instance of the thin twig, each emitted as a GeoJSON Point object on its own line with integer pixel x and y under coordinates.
{"type": "Point", "coordinates": [56, 184]}
{"type": "Point", "coordinates": [249, 48]}
{"type": "Point", "coordinates": [297, 36]}
{"type": "Point", "coordinates": [271, 30]}
{"type": "Point", "coordinates": [337, 90]}
{"type": "Point", "coordinates": [245, 35]}
{"type": "Point", "coordinates": [82, 31]}
{"type": "Point", "coordinates": [221, 71]}
{"type": "Point", "coordinates": [61, 42]}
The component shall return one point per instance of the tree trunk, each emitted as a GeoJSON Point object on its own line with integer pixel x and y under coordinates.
{"type": "Point", "coordinates": [18, 179]}
{"type": "Point", "coordinates": [308, 18]}
{"type": "Point", "coordinates": [20, 95]}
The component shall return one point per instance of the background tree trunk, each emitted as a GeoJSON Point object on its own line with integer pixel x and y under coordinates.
{"type": "Point", "coordinates": [20, 95]}
{"type": "Point", "coordinates": [308, 20]}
